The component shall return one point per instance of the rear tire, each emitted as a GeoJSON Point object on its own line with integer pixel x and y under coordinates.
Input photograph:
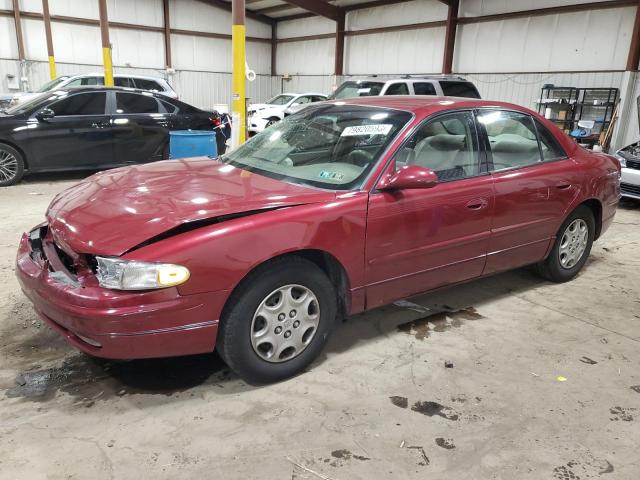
{"type": "Point", "coordinates": [277, 321]}
{"type": "Point", "coordinates": [11, 165]}
{"type": "Point", "coordinates": [571, 247]}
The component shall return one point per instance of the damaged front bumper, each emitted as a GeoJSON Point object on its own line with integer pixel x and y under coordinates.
{"type": "Point", "coordinates": [110, 323]}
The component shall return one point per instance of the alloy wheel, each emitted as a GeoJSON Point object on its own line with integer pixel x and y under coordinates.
{"type": "Point", "coordinates": [573, 243]}
{"type": "Point", "coordinates": [8, 166]}
{"type": "Point", "coordinates": [285, 323]}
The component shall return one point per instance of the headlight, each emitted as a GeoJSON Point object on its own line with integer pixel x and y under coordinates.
{"type": "Point", "coordinates": [621, 159]}
{"type": "Point", "coordinates": [133, 275]}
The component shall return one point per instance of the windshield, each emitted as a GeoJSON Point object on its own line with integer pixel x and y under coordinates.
{"type": "Point", "coordinates": [327, 146]}
{"type": "Point", "coordinates": [51, 84]}
{"type": "Point", "coordinates": [358, 88]}
{"type": "Point", "coordinates": [280, 100]}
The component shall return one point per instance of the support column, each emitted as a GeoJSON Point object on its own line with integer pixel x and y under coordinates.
{"type": "Point", "coordinates": [167, 34]}
{"type": "Point", "coordinates": [634, 47]}
{"type": "Point", "coordinates": [20, 41]}
{"type": "Point", "coordinates": [47, 31]}
{"type": "Point", "coordinates": [450, 37]}
{"type": "Point", "coordinates": [339, 67]}
{"type": "Point", "coordinates": [238, 81]}
{"type": "Point", "coordinates": [106, 45]}
{"type": "Point", "coordinates": [274, 46]}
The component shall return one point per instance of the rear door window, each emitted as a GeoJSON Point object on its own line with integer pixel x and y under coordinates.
{"type": "Point", "coordinates": [85, 82]}
{"type": "Point", "coordinates": [397, 89]}
{"type": "Point", "coordinates": [81, 104]}
{"type": "Point", "coordinates": [123, 82]}
{"type": "Point", "coordinates": [512, 138]}
{"type": "Point", "coordinates": [145, 84]}
{"type": "Point", "coordinates": [136, 103]}
{"type": "Point", "coordinates": [424, 88]}
{"type": "Point", "coordinates": [459, 89]}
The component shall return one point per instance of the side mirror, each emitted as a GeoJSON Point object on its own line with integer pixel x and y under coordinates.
{"type": "Point", "coordinates": [409, 177]}
{"type": "Point", "coordinates": [45, 114]}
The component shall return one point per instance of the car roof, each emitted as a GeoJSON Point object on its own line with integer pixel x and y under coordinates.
{"type": "Point", "coordinates": [300, 94]}
{"type": "Point", "coordinates": [414, 78]}
{"type": "Point", "coordinates": [101, 74]}
{"type": "Point", "coordinates": [422, 104]}
{"type": "Point", "coordinates": [99, 88]}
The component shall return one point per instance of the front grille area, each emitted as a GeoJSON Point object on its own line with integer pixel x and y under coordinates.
{"type": "Point", "coordinates": [630, 189]}
{"type": "Point", "coordinates": [66, 260]}
{"type": "Point", "coordinates": [635, 164]}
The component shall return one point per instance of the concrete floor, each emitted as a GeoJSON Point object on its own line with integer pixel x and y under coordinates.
{"type": "Point", "coordinates": [379, 403]}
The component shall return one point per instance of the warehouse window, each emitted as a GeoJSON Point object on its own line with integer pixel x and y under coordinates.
{"type": "Point", "coordinates": [81, 104]}
{"type": "Point", "coordinates": [136, 103]}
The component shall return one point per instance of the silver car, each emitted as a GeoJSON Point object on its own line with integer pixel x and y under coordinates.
{"type": "Point", "coordinates": [629, 158]}
{"type": "Point", "coordinates": [153, 84]}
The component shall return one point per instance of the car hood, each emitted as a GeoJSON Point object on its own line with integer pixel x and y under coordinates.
{"type": "Point", "coordinates": [112, 212]}
{"type": "Point", "coordinates": [259, 107]}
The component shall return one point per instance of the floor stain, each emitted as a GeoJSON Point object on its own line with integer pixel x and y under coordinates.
{"type": "Point", "coordinates": [635, 388]}
{"type": "Point", "coordinates": [445, 443]}
{"type": "Point", "coordinates": [565, 472]}
{"type": "Point", "coordinates": [424, 460]}
{"type": "Point", "coordinates": [588, 361]}
{"type": "Point", "coordinates": [346, 455]}
{"type": "Point", "coordinates": [401, 402]}
{"type": "Point", "coordinates": [89, 379]}
{"type": "Point", "coordinates": [439, 321]}
{"type": "Point", "coordinates": [622, 414]}
{"type": "Point", "coordinates": [433, 408]}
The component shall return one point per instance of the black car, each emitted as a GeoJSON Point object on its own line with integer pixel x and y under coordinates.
{"type": "Point", "coordinates": [93, 128]}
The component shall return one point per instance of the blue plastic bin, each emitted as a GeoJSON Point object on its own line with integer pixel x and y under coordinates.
{"type": "Point", "coordinates": [192, 143]}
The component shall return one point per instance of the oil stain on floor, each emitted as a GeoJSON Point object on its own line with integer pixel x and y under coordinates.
{"type": "Point", "coordinates": [439, 321]}
{"type": "Point", "coordinates": [90, 379]}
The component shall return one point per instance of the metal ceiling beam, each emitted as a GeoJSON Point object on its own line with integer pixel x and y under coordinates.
{"type": "Point", "coordinates": [18, 23]}
{"type": "Point", "coordinates": [319, 7]}
{"type": "Point", "coordinates": [634, 47]}
{"type": "Point", "coordinates": [227, 6]}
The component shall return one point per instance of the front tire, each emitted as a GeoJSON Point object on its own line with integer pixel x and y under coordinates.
{"type": "Point", "coordinates": [277, 321]}
{"type": "Point", "coordinates": [11, 165]}
{"type": "Point", "coordinates": [571, 247]}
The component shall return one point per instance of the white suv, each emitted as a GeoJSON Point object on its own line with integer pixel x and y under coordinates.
{"type": "Point", "coordinates": [153, 84]}
{"type": "Point", "coordinates": [440, 85]}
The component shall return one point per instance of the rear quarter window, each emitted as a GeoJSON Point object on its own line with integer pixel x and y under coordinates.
{"type": "Point", "coordinates": [144, 84]}
{"type": "Point", "coordinates": [459, 89]}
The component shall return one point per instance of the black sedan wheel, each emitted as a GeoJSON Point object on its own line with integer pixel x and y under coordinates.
{"type": "Point", "coordinates": [11, 165]}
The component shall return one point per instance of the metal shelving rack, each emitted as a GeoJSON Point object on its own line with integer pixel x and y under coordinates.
{"type": "Point", "coordinates": [561, 101]}
{"type": "Point", "coordinates": [597, 105]}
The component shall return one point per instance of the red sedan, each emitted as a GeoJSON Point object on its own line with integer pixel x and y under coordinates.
{"type": "Point", "coordinates": [341, 208]}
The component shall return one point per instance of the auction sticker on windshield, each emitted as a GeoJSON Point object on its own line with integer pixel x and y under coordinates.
{"type": "Point", "coordinates": [357, 130]}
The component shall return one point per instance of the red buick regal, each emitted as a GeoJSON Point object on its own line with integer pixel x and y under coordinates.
{"type": "Point", "coordinates": [341, 208]}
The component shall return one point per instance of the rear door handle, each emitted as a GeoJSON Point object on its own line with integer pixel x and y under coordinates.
{"type": "Point", "coordinates": [477, 204]}
{"type": "Point", "coordinates": [100, 124]}
{"type": "Point", "coordinates": [564, 186]}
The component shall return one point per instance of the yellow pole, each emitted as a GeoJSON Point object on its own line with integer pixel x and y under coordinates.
{"type": "Point", "coordinates": [106, 45]}
{"type": "Point", "coordinates": [238, 94]}
{"type": "Point", "coordinates": [47, 30]}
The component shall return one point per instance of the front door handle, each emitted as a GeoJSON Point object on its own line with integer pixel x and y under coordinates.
{"type": "Point", "coordinates": [563, 186]}
{"type": "Point", "coordinates": [477, 204]}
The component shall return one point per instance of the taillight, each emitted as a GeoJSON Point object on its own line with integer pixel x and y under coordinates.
{"type": "Point", "coordinates": [215, 120]}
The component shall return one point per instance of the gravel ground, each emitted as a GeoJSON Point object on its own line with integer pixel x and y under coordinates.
{"type": "Point", "coordinates": [509, 377]}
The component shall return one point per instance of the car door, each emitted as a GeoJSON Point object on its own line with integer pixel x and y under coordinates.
{"type": "Point", "coordinates": [421, 239]}
{"type": "Point", "coordinates": [78, 136]}
{"type": "Point", "coordinates": [141, 127]}
{"type": "Point", "coordinates": [534, 183]}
